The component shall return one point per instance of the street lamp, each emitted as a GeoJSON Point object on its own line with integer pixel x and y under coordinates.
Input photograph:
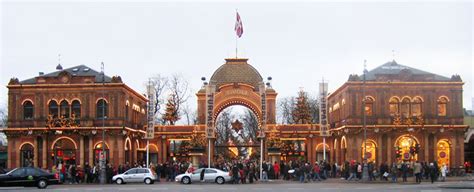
{"type": "Point", "coordinates": [103, 176]}
{"type": "Point", "coordinates": [365, 170]}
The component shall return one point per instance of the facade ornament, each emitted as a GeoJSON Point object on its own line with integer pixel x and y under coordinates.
{"type": "Point", "coordinates": [14, 81]}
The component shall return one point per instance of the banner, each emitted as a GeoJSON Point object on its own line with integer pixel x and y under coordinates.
{"type": "Point", "coordinates": [210, 131]}
{"type": "Point", "coordinates": [150, 130]}
{"type": "Point", "coordinates": [323, 115]}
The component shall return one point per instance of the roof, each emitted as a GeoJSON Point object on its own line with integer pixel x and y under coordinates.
{"type": "Point", "coordinates": [393, 68]}
{"type": "Point", "coordinates": [80, 70]}
{"type": "Point", "coordinates": [236, 70]}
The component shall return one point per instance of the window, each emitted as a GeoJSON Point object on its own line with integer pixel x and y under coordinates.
{"type": "Point", "coordinates": [27, 110]}
{"type": "Point", "coordinates": [102, 109]}
{"type": "Point", "coordinates": [405, 107]}
{"type": "Point", "coordinates": [416, 106]}
{"type": "Point", "coordinates": [442, 106]}
{"type": "Point", "coordinates": [76, 108]}
{"type": "Point", "coordinates": [64, 110]}
{"type": "Point", "coordinates": [18, 172]}
{"type": "Point", "coordinates": [131, 171]}
{"type": "Point", "coordinates": [33, 171]}
{"type": "Point", "coordinates": [210, 171]}
{"type": "Point", "coordinates": [53, 109]}
{"type": "Point", "coordinates": [369, 106]}
{"type": "Point", "coordinates": [142, 171]}
{"type": "Point", "coordinates": [394, 105]}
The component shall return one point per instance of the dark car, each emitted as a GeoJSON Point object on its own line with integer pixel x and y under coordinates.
{"type": "Point", "coordinates": [28, 176]}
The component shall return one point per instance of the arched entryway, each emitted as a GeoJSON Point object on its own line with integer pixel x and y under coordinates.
{"type": "Point", "coordinates": [153, 150]}
{"type": "Point", "coordinates": [128, 150]}
{"type": "Point", "coordinates": [64, 151]}
{"type": "Point", "coordinates": [26, 154]}
{"type": "Point", "coordinates": [405, 148]}
{"type": "Point", "coordinates": [98, 148]}
{"type": "Point", "coordinates": [443, 152]}
{"type": "Point", "coordinates": [371, 154]}
{"type": "Point", "coordinates": [320, 152]}
{"type": "Point", "coordinates": [343, 149]}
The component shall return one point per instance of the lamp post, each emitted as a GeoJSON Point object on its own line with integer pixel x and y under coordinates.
{"type": "Point", "coordinates": [365, 170]}
{"type": "Point", "coordinates": [103, 176]}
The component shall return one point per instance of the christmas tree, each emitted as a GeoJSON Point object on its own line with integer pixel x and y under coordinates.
{"type": "Point", "coordinates": [301, 113]}
{"type": "Point", "coordinates": [171, 113]}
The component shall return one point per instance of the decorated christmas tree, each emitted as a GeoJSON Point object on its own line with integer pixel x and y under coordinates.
{"type": "Point", "coordinates": [301, 113]}
{"type": "Point", "coordinates": [171, 113]}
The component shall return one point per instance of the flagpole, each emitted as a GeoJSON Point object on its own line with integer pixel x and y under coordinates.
{"type": "Point", "coordinates": [236, 40]}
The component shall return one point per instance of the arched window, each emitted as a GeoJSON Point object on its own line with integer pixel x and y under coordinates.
{"type": "Point", "coordinates": [442, 106]}
{"type": "Point", "coordinates": [64, 110]}
{"type": "Point", "coordinates": [369, 106]}
{"type": "Point", "coordinates": [405, 107]}
{"type": "Point", "coordinates": [53, 108]}
{"type": "Point", "coordinates": [416, 109]}
{"type": "Point", "coordinates": [76, 108]}
{"type": "Point", "coordinates": [394, 104]}
{"type": "Point", "coordinates": [28, 110]}
{"type": "Point", "coordinates": [102, 109]}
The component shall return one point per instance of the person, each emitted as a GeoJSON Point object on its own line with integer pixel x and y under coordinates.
{"type": "Point", "coordinates": [276, 169]}
{"type": "Point", "coordinates": [159, 169]}
{"type": "Point", "coordinates": [264, 172]}
{"type": "Point", "coordinates": [235, 173]}
{"type": "Point", "coordinates": [444, 171]}
{"type": "Point", "coordinates": [404, 172]}
{"type": "Point", "coordinates": [394, 172]}
{"type": "Point", "coordinates": [433, 172]}
{"type": "Point", "coordinates": [87, 173]}
{"type": "Point", "coordinates": [202, 175]}
{"type": "Point", "coordinates": [417, 171]}
{"type": "Point", "coordinates": [353, 171]}
{"type": "Point", "coordinates": [316, 170]}
{"type": "Point", "coordinates": [190, 168]}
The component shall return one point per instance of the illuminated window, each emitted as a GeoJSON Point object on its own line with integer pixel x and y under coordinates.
{"type": "Point", "coordinates": [394, 106]}
{"type": "Point", "coordinates": [53, 108]}
{"type": "Point", "coordinates": [102, 109]}
{"type": "Point", "coordinates": [371, 151]}
{"type": "Point", "coordinates": [64, 109]}
{"type": "Point", "coordinates": [28, 110]}
{"type": "Point", "coordinates": [76, 108]}
{"type": "Point", "coordinates": [442, 106]}
{"type": "Point", "coordinates": [443, 152]}
{"type": "Point", "coordinates": [369, 106]}
{"type": "Point", "coordinates": [416, 106]}
{"type": "Point", "coordinates": [405, 107]}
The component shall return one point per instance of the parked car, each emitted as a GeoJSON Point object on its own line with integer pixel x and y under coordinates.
{"type": "Point", "coordinates": [210, 175]}
{"type": "Point", "coordinates": [28, 176]}
{"type": "Point", "coordinates": [135, 175]}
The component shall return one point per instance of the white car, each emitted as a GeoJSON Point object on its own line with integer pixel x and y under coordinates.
{"type": "Point", "coordinates": [210, 175]}
{"type": "Point", "coordinates": [135, 175]}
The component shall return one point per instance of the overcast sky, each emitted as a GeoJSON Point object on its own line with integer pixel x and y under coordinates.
{"type": "Point", "coordinates": [296, 43]}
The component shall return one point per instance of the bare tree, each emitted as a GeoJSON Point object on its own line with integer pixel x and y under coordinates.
{"type": "Point", "coordinates": [223, 126]}
{"type": "Point", "coordinates": [250, 126]}
{"type": "Point", "coordinates": [313, 103]}
{"type": "Point", "coordinates": [179, 90]}
{"type": "Point", "coordinates": [159, 84]}
{"type": "Point", "coordinates": [285, 108]}
{"type": "Point", "coordinates": [3, 124]}
{"type": "Point", "coordinates": [189, 114]}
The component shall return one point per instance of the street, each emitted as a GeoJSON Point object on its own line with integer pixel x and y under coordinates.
{"type": "Point", "coordinates": [271, 186]}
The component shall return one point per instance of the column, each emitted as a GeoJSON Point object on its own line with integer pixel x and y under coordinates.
{"type": "Point", "coordinates": [389, 149]}
{"type": "Point", "coordinates": [81, 150]}
{"type": "Point", "coordinates": [17, 154]}
{"type": "Point", "coordinates": [435, 144]}
{"type": "Point", "coordinates": [9, 153]}
{"type": "Point", "coordinates": [453, 151]}
{"type": "Point", "coordinates": [165, 149]}
{"type": "Point", "coordinates": [121, 150]}
{"type": "Point", "coordinates": [461, 151]}
{"type": "Point", "coordinates": [337, 151]}
{"type": "Point", "coordinates": [112, 148]}
{"type": "Point", "coordinates": [426, 147]}
{"type": "Point", "coordinates": [35, 152]}
{"type": "Point", "coordinates": [45, 153]}
{"type": "Point", "coordinates": [91, 152]}
{"type": "Point", "coordinates": [379, 149]}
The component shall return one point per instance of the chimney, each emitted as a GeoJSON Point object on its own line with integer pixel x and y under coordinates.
{"type": "Point", "coordinates": [41, 73]}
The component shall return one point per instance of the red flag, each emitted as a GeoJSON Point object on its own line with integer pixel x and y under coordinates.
{"type": "Point", "coordinates": [239, 29]}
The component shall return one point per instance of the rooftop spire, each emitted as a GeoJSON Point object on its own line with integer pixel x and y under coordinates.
{"type": "Point", "coordinates": [59, 67]}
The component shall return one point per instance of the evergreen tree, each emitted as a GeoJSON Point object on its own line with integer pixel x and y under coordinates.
{"type": "Point", "coordinates": [171, 113]}
{"type": "Point", "coordinates": [302, 113]}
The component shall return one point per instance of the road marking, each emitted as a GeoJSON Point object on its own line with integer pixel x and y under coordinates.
{"type": "Point", "coordinates": [193, 188]}
{"type": "Point", "coordinates": [329, 188]}
{"type": "Point", "coordinates": [127, 189]}
{"type": "Point", "coordinates": [93, 189]}
{"type": "Point", "coordinates": [434, 190]}
{"type": "Point", "coordinates": [294, 188]}
{"type": "Point", "coordinates": [228, 188]}
{"type": "Point", "coordinates": [11, 188]}
{"type": "Point", "coordinates": [160, 189]}
{"type": "Point", "coordinates": [266, 188]}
